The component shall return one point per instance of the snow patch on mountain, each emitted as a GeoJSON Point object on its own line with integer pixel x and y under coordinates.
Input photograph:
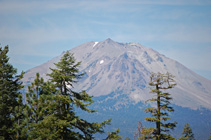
{"type": "Point", "coordinates": [95, 44]}
{"type": "Point", "coordinates": [102, 61]}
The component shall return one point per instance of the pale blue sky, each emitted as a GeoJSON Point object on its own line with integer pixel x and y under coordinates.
{"type": "Point", "coordinates": [37, 31]}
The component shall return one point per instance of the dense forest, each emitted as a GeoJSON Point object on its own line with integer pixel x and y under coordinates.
{"type": "Point", "coordinates": [48, 109]}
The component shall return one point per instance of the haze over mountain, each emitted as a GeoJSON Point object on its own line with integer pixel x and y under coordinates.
{"type": "Point", "coordinates": [124, 68]}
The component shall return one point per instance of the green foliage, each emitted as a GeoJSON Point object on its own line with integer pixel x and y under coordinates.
{"type": "Point", "coordinates": [159, 84]}
{"type": "Point", "coordinates": [61, 108]}
{"type": "Point", "coordinates": [65, 74]}
{"type": "Point", "coordinates": [143, 133]}
{"type": "Point", "coordinates": [10, 86]}
{"type": "Point", "coordinates": [20, 123]}
{"type": "Point", "coordinates": [51, 105]}
{"type": "Point", "coordinates": [50, 109]}
{"type": "Point", "coordinates": [37, 99]}
{"type": "Point", "coordinates": [187, 133]}
{"type": "Point", "coordinates": [114, 135]}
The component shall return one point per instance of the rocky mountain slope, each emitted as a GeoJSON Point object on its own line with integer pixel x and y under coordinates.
{"type": "Point", "coordinates": [124, 69]}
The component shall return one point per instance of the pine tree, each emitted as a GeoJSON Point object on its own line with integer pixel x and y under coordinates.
{"type": "Point", "coordinates": [187, 133]}
{"type": "Point", "coordinates": [159, 84]}
{"type": "Point", "coordinates": [32, 99]}
{"type": "Point", "coordinates": [61, 121]}
{"type": "Point", "coordinates": [10, 86]}
{"type": "Point", "coordinates": [37, 100]}
{"type": "Point", "coordinates": [20, 123]}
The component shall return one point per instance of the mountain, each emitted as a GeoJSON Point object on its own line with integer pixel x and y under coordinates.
{"type": "Point", "coordinates": [117, 75]}
{"type": "Point", "coordinates": [114, 67]}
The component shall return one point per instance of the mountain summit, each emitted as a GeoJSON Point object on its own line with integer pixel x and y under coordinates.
{"type": "Point", "coordinates": [124, 68]}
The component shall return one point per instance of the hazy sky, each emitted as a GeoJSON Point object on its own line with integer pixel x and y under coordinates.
{"type": "Point", "coordinates": [39, 30]}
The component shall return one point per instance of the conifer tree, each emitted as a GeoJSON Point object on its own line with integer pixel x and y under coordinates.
{"type": "Point", "coordinates": [187, 133]}
{"type": "Point", "coordinates": [32, 99]}
{"type": "Point", "coordinates": [37, 100]}
{"type": "Point", "coordinates": [10, 86]}
{"type": "Point", "coordinates": [20, 124]}
{"type": "Point", "coordinates": [61, 121]}
{"type": "Point", "coordinates": [159, 84]}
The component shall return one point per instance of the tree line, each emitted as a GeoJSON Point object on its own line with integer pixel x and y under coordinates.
{"type": "Point", "coordinates": [49, 109]}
